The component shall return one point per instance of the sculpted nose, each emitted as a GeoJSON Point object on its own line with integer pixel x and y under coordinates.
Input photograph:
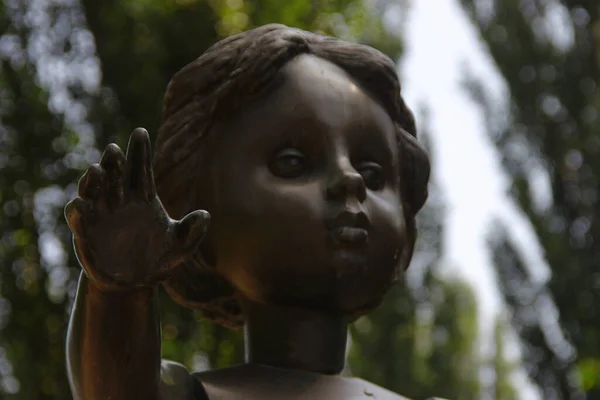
{"type": "Point", "coordinates": [346, 182]}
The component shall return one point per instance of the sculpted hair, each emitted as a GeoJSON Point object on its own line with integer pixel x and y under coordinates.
{"type": "Point", "coordinates": [231, 73]}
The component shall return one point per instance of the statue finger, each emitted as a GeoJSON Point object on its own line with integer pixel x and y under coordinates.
{"type": "Point", "coordinates": [139, 176]}
{"type": "Point", "coordinates": [92, 184]}
{"type": "Point", "coordinates": [113, 162]}
{"type": "Point", "coordinates": [75, 212]}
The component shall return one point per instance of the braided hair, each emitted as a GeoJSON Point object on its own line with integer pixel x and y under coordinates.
{"type": "Point", "coordinates": [231, 73]}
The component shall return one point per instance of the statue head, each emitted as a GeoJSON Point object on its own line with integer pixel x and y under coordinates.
{"type": "Point", "coordinates": [303, 151]}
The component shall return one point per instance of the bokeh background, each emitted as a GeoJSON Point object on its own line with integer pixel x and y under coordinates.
{"type": "Point", "coordinates": [502, 300]}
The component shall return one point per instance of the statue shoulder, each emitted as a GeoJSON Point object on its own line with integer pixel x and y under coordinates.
{"type": "Point", "coordinates": [254, 382]}
{"type": "Point", "coordinates": [371, 390]}
{"type": "Point", "coordinates": [176, 383]}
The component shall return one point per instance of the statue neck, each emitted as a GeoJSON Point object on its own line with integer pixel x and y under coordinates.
{"type": "Point", "coordinates": [295, 338]}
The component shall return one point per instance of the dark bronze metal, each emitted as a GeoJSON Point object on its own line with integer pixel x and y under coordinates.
{"type": "Point", "coordinates": [312, 177]}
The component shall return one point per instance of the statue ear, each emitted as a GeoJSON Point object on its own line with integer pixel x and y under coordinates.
{"type": "Point", "coordinates": [407, 252]}
{"type": "Point", "coordinates": [415, 172]}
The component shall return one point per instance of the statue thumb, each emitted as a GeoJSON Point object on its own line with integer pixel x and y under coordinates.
{"type": "Point", "coordinates": [190, 230]}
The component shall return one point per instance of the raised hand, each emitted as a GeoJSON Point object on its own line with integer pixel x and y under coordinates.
{"type": "Point", "coordinates": [122, 235]}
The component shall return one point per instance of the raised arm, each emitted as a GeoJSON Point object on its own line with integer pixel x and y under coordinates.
{"type": "Point", "coordinates": [113, 344]}
{"type": "Point", "coordinates": [126, 244]}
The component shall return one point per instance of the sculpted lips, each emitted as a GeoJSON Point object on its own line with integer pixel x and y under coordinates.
{"type": "Point", "coordinates": [349, 228]}
{"type": "Point", "coordinates": [350, 235]}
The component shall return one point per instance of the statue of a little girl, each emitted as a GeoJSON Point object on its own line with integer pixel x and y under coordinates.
{"type": "Point", "coordinates": [304, 153]}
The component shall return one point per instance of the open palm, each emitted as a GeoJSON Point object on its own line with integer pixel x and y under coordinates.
{"type": "Point", "coordinates": [123, 236]}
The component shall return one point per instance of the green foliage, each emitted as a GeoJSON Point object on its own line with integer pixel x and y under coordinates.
{"type": "Point", "coordinates": [32, 318]}
{"type": "Point", "coordinates": [503, 367]}
{"type": "Point", "coordinates": [589, 373]}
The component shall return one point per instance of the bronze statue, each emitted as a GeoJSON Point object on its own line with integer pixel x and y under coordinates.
{"type": "Point", "coordinates": [304, 153]}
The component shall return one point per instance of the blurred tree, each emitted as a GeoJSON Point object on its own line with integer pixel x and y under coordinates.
{"type": "Point", "coordinates": [503, 367]}
{"type": "Point", "coordinates": [39, 156]}
{"type": "Point", "coordinates": [549, 56]}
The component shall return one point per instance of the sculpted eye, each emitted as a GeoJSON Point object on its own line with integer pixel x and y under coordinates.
{"type": "Point", "coordinates": [372, 174]}
{"type": "Point", "coordinates": [288, 163]}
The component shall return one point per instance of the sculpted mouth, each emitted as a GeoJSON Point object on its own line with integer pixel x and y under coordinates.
{"type": "Point", "coordinates": [349, 235]}
{"type": "Point", "coordinates": [349, 228]}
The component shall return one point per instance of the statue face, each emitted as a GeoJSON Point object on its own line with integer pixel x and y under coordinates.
{"type": "Point", "coordinates": [305, 199]}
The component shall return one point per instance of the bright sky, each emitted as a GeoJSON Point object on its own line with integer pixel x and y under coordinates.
{"type": "Point", "coordinates": [441, 43]}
